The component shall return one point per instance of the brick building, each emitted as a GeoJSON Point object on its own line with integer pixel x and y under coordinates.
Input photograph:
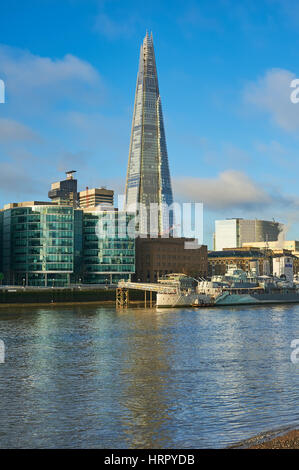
{"type": "Point", "coordinates": [158, 256]}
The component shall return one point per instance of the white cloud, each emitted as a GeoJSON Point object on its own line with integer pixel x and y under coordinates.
{"type": "Point", "coordinates": [271, 94]}
{"type": "Point", "coordinates": [231, 189]}
{"type": "Point", "coordinates": [13, 131]}
{"type": "Point", "coordinates": [38, 80]}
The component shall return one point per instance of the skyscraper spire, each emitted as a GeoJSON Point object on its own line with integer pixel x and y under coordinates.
{"type": "Point", "coordinates": [148, 177]}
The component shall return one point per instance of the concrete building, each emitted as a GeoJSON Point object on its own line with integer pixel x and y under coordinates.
{"type": "Point", "coordinates": [276, 246]}
{"type": "Point", "coordinates": [233, 233]}
{"type": "Point", "coordinates": [283, 267]}
{"type": "Point", "coordinates": [158, 256]}
{"type": "Point", "coordinates": [65, 192]}
{"type": "Point", "coordinates": [12, 205]}
{"type": "Point", "coordinates": [96, 196]}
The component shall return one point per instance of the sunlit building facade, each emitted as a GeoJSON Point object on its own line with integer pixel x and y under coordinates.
{"type": "Point", "coordinates": [65, 192]}
{"type": "Point", "coordinates": [95, 196]}
{"type": "Point", "coordinates": [42, 245]}
{"type": "Point", "coordinates": [108, 247]}
{"type": "Point", "coordinates": [57, 245]}
{"type": "Point", "coordinates": [233, 233]}
{"type": "Point", "coordinates": [148, 176]}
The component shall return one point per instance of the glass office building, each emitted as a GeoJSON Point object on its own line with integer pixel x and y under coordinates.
{"type": "Point", "coordinates": [148, 177]}
{"type": "Point", "coordinates": [56, 246]}
{"type": "Point", "coordinates": [108, 248]}
{"type": "Point", "coordinates": [42, 245]}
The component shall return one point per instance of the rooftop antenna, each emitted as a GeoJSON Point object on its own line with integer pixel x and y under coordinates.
{"type": "Point", "coordinates": [87, 197]}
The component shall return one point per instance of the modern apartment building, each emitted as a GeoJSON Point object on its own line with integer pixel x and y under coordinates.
{"type": "Point", "coordinates": [233, 233]}
{"type": "Point", "coordinates": [148, 177]}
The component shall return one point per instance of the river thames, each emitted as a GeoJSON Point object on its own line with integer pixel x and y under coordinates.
{"type": "Point", "coordinates": [93, 377]}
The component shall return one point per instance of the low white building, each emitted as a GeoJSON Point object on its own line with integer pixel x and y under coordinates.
{"type": "Point", "coordinates": [283, 266]}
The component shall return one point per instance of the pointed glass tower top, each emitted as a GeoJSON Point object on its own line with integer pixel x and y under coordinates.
{"type": "Point", "coordinates": [148, 177]}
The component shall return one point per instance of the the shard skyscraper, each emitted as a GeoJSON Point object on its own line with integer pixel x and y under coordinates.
{"type": "Point", "coordinates": [148, 182]}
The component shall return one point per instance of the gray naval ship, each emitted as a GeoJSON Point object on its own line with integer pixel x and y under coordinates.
{"type": "Point", "coordinates": [237, 287]}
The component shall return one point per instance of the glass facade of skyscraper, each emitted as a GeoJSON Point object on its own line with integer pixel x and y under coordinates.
{"type": "Point", "coordinates": [148, 176]}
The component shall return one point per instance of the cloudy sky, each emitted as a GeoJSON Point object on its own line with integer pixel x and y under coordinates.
{"type": "Point", "coordinates": [225, 69]}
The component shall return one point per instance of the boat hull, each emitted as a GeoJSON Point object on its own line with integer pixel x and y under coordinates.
{"type": "Point", "coordinates": [182, 300]}
{"type": "Point", "coordinates": [256, 299]}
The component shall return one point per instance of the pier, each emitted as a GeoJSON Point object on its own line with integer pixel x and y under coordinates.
{"type": "Point", "coordinates": [123, 298]}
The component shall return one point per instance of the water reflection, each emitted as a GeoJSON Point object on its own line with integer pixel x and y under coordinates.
{"type": "Point", "coordinates": [146, 395]}
{"type": "Point", "coordinates": [86, 376]}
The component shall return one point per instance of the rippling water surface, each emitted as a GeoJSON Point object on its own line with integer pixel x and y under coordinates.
{"type": "Point", "coordinates": [89, 376]}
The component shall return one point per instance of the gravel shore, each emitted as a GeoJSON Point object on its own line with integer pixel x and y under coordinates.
{"type": "Point", "coordinates": [278, 439]}
{"type": "Point", "coordinates": [290, 440]}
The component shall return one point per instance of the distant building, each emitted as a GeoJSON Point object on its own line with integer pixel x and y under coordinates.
{"type": "Point", "coordinates": [250, 259]}
{"type": "Point", "coordinates": [96, 196]}
{"type": "Point", "coordinates": [65, 192]}
{"type": "Point", "coordinates": [156, 257]}
{"type": "Point", "coordinates": [233, 233]}
{"type": "Point", "coordinates": [283, 267]}
{"type": "Point", "coordinates": [291, 245]}
{"type": "Point", "coordinates": [219, 261]}
{"type": "Point", "coordinates": [12, 205]}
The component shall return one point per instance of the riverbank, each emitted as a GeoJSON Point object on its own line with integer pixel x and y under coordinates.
{"type": "Point", "coordinates": [289, 440]}
{"type": "Point", "coordinates": [103, 303]}
{"type": "Point", "coordinates": [271, 440]}
{"type": "Point", "coordinates": [11, 296]}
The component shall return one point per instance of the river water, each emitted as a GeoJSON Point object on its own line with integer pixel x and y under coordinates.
{"type": "Point", "coordinates": [93, 377]}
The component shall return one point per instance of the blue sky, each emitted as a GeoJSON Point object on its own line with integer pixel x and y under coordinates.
{"type": "Point", "coordinates": [224, 69]}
